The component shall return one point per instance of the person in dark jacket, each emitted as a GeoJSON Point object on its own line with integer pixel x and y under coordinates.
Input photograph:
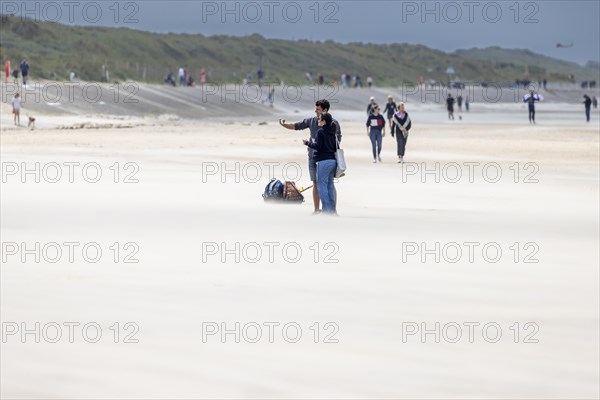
{"type": "Point", "coordinates": [372, 103]}
{"type": "Point", "coordinates": [325, 146]}
{"type": "Point", "coordinates": [376, 132]}
{"type": "Point", "coordinates": [170, 80]}
{"type": "Point", "coordinates": [530, 99]}
{"type": "Point", "coordinates": [587, 102]}
{"type": "Point", "coordinates": [390, 109]}
{"type": "Point", "coordinates": [402, 125]}
{"type": "Point", "coordinates": [24, 71]}
{"type": "Point", "coordinates": [450, 106]}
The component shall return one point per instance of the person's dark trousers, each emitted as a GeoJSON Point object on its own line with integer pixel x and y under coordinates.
{"type": "Point", "coordinates": [587, 114]}
{"type": "Point", "coordinates": [401, 140]}
{"type": "Point", "coordinates": [531, 114]}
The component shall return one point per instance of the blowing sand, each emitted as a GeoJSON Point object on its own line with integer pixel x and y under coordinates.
{"type": "Point", "coordinates": [358, 285]}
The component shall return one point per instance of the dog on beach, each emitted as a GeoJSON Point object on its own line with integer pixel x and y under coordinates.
{"type": "Point", "coordinates": [31, 123]}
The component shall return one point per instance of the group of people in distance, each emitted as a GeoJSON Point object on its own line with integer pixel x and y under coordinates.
{"type": "Point", "coordinates": [325, 136]}
{"type": "Point", "coordinates": [397, 119]}
{"type": "Point", "coordinates": [531, 98]}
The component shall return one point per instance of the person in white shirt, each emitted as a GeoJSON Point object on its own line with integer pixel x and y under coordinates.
{"type": "Point", "coordinates": [181, 77]}
{"type": "Point", "coordinates": [16, 103]}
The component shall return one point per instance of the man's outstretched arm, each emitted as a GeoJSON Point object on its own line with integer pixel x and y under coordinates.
{"type": "Point", "coordinates": [287, 125]}
{"type": "Point", "coordinates": [297, 126]}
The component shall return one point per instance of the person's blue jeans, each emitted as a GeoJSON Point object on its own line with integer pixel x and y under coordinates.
{"type": "Point", "coordinates": [376, 140]}
{"type": "Point", "coordinates": [325, 174]}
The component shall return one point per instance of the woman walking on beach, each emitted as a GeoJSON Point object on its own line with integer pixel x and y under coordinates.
{"type": "Point", "coordinates": [325, 146]}
{"type": "Point", "coordinates": [16, 103]}
{"type": "Point", "coordinates": [402, 125]}
{"type": "Point", "coordinates": [390, 109]}
{"type": "Point", "coordinates": [376, 132]}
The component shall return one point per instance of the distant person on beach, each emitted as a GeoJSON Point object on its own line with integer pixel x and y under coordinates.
{"type": "Point", "coordinates": [190, 81]}
{"type": "Point", "coordinates": [545, 82]}
{"type": "Point", "coordinates": [389, 110]}
{"type": "Point", "coordinates": [357, 82]}
{"type": "Point", "coordinates": [587, 102]}
{"type": "Point", "coordinates": [376, 132]}
{"type": "Point", "coordinates": [16, 104]}
{"type": "Point", "coordinates": [24, 71]}
{"type": "Point", "coordinates": [402, 125]}
{"type": "Point", "coordinates": [459, 102]}
{"type": "Point", "coordinates": [271, 97]}
{"type": "Point", "coordinates": [369, 81]}
{"type": "Point", "coordinates": [325, 146]}
{"type": "Point", "coordinates": [321, 107]}
{"type": "Point", "coordinates": [15, 75]}
{"type": "Point", "coordinates": [595, 102]}
{"type": "Point", "coordinates": [467, 103]}
{"type": "Point", "coordinates": [370, 106]}
{"type": "Point", "coordinates": [260, 76]}
{"type": "Point", "coordinates": [450, 106]}
{"type": "Point", "coordinates": [170, 80]}
{"type": "Point", "coordinates": [181, 75]}
{"type": "Point", "coordinates": [530, 99]}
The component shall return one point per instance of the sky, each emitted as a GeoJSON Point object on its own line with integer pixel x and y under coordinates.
{"type": "Point", "coordinates": [443, 25]}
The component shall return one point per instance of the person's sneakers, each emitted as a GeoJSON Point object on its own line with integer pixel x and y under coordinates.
{"type": "Point", "coordinates": [379, 159]}
{"type": "Point", "coordinates": [374, 160]}
{"type": "Point", "coordinates": [400, 160]}
{"type": "Point", "coordinates": [316, 212]}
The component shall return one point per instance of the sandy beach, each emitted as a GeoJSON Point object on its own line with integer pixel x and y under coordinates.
{"type": "Point", "coordinates": [470, 271]}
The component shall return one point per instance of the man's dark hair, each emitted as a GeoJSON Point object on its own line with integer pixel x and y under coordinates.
{"type": "Point", "coordinates": [324, 104]}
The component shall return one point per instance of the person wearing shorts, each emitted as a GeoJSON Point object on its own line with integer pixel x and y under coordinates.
{"type": "Point", "coordinates": [16, 103]}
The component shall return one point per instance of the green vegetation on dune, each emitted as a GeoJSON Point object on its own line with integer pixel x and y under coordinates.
{"type": "Point", "coordinates": [53, 50]}
{"type": "Point", "coordinates": [537, 64]}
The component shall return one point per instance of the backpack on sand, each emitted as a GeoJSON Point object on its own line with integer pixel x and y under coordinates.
{"type": "Point", "coordinates": [282, 191]}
